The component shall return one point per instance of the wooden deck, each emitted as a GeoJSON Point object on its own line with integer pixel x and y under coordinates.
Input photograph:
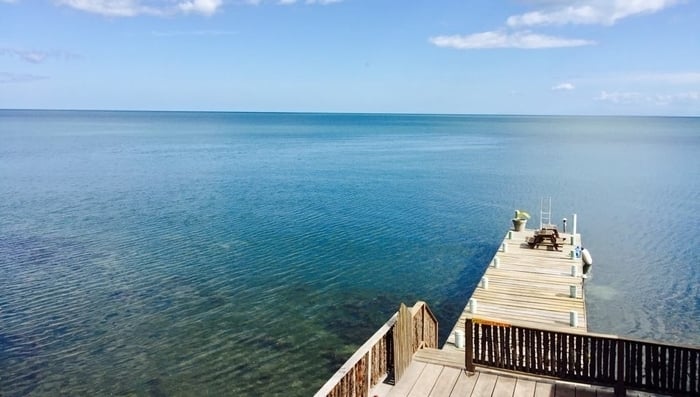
{"type": "Point", "coordinates": [440, 373]}
{"type": "Point", "coordinates": [530, 317]}
{"type": "Point", "coordinates": [530, 286]}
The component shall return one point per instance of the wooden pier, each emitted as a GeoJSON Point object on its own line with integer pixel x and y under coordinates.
{"type": "Point", "coordinates": [523, 333]}
{"type": "Point", "coordinates": [532, 286]}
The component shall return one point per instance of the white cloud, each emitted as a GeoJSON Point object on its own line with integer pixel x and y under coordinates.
{"type": "Point", "coordinates": [6, 78]}
{"type": "Point", "coordinates": [179, 33]}
{"type": "Point", "coordinates": [622, 97]}
{"type": "Point", "coordinates": [321, 2]}
{"type": "Point", "coordinates": [668, 78]}
{"type": "Point", "coordinates": [499, 39]}
{"type": "Point", "coordinates": [36, 56]}
{"type": "Point", "coordinates": [589, 12]}
{"type": "Point", "coordinates": [637, 98]}
{"type": "Point", "coordinates": [563, 87]}
{"type": "Point", "coordinates": [131, 8]}
{"type": "Point", "coordinates": [204, 7]}
{"type": "Point", "coordinates": [113, 8]}
{"type": "Point", "coordinates": [554, 12]}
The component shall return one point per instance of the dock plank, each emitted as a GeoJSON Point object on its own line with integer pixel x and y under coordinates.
{"type": "Point", "coordinates": [406, 383]}
{"type": "Point", "coordinates": [505, 386]}
{"type": "Point", "coordinates": [524, 388]}
{"type": "Point", "coordinates": [446, 382]}
{"type": "Point", "coordinates": [465, 385]}
{"type": "Point", "coordinates": [564, 390]}
{"type": "Point", "coordinates": [426, 381]}
{"type": "Point", "coordinates": [543, 389]}
{"type": "Point", "coordinates": [485, 384]}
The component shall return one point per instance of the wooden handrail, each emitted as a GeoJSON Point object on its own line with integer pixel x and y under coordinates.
{"type": "Point", "coordinates": [359, 374]}
{"type": "Point", "coordinates": [580, 356]}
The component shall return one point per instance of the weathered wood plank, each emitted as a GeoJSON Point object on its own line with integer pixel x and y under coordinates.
{"type": "Point", "coordinates": [544, 389]}
{"type": "Point", "coordinates": [524, 388]}
{"type": "Point", "coordinates": [410, 376]}
{"type": "Point", "coordinates": [465, 385]}
{"type": "Point", "coordinates": [485, 384]}
{"type": "Point", "coordinates": [582, 391]}
{"type": "Point", "coordinates": [426, 381]}
{"type": "Point", "coordinates": [564, 390]}
{"type": "Point", "coordinates": [446, 382]}
{"type": "Point", "coordinates": [505, 386]}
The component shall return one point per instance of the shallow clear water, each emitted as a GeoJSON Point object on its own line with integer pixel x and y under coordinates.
{"type": "Point", "coordinates": [245, 254]}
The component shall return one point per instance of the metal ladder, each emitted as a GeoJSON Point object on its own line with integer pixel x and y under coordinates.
{"type": "Point", "coordinates": [545, 212]}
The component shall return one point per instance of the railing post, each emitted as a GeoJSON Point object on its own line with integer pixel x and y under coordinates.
{"type": "Point", "coordinates": [422, 319]}
{"type": "Point", "coordinates": [469, 345]}
{"type": "Point", "coordinates": [620, 381]}
{"type": "Point", "coordinates": [369, 372]}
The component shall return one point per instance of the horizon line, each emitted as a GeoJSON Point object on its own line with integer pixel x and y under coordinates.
{"type": "Point", "coordinates": [345, 113]}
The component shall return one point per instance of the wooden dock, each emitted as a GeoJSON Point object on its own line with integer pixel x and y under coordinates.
{"type": "Point", "coordinates": [441, 373]}
{"type": "Point", "coordinates": [532, 286]}
{"type": "Point", "coordinates": [523, 333]}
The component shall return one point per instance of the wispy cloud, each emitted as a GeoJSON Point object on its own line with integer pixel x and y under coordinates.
{"type": "Point", "coordinates": [564, 87]}
{"type": "Point", "coordinates": [36, 56]}
{"type": "Point", "coordinates": [204, 7]}
{"type": "Point", "coordinates": [499, 39]}
{"type": "Point", "coordinates": [6, 78]}
{"type": "Point", "coordinates": [556, 12]}
{"type": "Point", "coordinates": [131, 8]}
{"type": "Point", "coordinates": [589, 12]}
{"type": "Point", "coordinates": [113, 8]}
{"type": "Point", "coordinates": [180, 33]}
{"type": "Point", "coordinates": [638, 98]}
{"type": "Point", "coordinates": [321, 2]}
{"type": "Point", "coordinates": [681, 78]}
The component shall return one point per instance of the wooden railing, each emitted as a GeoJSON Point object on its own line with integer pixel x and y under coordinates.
{"type": "Point", "coordinates": [386, 354]}
{"type": "Point", "coordinates": [584, 357]}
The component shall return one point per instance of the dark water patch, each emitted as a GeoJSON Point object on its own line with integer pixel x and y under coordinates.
{"type": "Point", "coordinates": [156, 388]}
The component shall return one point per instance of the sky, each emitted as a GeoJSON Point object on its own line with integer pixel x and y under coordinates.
{"type": "Point", "coordinates": [559, 57]}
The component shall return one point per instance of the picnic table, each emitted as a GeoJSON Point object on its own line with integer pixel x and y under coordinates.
{"type": "Point", "coordinates": [546, 236]}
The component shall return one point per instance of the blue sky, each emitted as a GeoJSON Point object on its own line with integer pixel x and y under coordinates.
{"type": "Point", "coordinates": [609, 57]}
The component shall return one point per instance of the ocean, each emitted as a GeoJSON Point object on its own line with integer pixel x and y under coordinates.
{"type": "Point", "coordinates": [182, 254]}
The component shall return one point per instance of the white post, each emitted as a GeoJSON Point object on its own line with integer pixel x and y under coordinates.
{"type": "Point", "coordinates": [485, 282]}
{"type": "Point", "coordinates": [472, 306]}
{"type": "Point", "coordinates": [572, 291]}
{"type": "Point", "coordinates": [573, 318]}
{"type": "Point", "coordinates": [459, 339]}
{"type": "Point", "coordinates": [510, 235]}
{"type": "Point", "coordinates": [504, 247]}
{"type": "Point", "coordinates": [574, 270]}
{"type": "Point", "coordinates": [496, 262]}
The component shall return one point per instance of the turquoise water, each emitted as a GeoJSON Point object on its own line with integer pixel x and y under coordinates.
{"type": "Point", "coordinates": [153, 254]}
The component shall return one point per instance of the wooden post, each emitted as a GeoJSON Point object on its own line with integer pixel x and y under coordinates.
{"type": "Point", "coordinates": [469, 345]}
{"type": "Point", "coordinates": [620, 381]}
{"type": "Point", "coordinates": [369, 373]}
{"type": "Point", "coordinates": [403, 342]}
